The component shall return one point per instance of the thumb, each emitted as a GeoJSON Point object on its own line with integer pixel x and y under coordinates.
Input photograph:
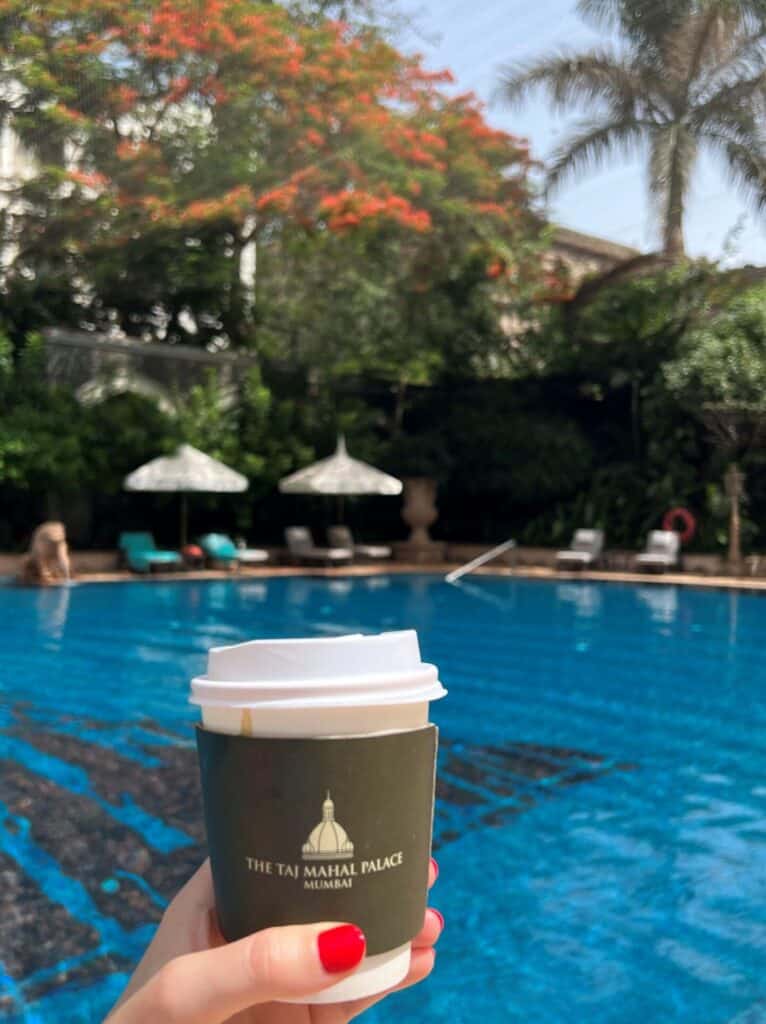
{"type": "Point", "coordinates": [278, 964]}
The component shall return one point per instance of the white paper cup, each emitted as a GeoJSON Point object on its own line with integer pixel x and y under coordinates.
{"type": "Point", "coordinates": [357, 685]}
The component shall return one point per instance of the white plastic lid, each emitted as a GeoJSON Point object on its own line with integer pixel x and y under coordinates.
{"type": "Point", "coordinates": [343, 671]}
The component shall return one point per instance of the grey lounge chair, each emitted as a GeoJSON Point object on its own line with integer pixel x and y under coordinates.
{"type": "Point", "coordinates": [662, 551]}
{"type": "Point", "coordinates": [585, 549]}
{"type": "Point", "coordinates": [302, 548]}
{"type": "Point", "coordinates": [341, 537]}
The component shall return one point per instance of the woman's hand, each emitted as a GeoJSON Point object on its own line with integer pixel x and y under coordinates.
{"type": "Point", "coordinates": [190, 975]}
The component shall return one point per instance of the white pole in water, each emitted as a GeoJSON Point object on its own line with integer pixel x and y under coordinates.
{"type": "Point", "coordinates": [455, 575]}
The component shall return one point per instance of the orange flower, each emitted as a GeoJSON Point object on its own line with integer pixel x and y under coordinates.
{"type": "Point", "coordinates": [314, 137]}
{"type": "Point", "coordinates": [280, 198]}
{"type": "Point", "coordinates": [492, 208]}
{"type": "Point", "coordinates": [178, 88]}
{"type": "Point", "coordinates": [86, 179]}
{"type": "Point", "coordinates": [68, 114]}
{"type": "Point", "coordinates": [125, 98]}
{"type": "Point", "coordinates": [349, 208]}
{"type": "Point", "coordinates": [343, 220]}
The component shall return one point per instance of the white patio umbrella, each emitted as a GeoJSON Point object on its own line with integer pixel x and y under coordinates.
{"type": "Point", "coordinates": [340, 475]}
{"type": "Point", "coordinates": [187, 472]}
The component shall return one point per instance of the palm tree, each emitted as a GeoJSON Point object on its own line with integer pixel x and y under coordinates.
{"type": "Point", "coordinates": [686, 75]}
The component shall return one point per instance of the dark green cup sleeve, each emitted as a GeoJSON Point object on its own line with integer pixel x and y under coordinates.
{"type": "Point", "coordinates": [306, 830]}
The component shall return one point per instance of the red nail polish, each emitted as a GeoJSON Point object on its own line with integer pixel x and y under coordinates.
{"type": "Point", "coordinates": [341, 948]}
{"type": "Point", "coordinates": [438, 914]}
{"type": "Point", "coordinates": [435, 866]}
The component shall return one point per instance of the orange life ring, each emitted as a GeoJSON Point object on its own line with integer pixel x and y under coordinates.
{"type": "Point", "coordinates": [687, 520]}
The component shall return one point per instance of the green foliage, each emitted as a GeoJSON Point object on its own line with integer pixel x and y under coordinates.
{"type": "Point", "coordinates": [719, 375]}
{"type": "Point", "coordinates": [611, 356]}
{"type": "Point", "coordinates": [627, 331]}
{"type": "Point", "coordinates": [723, 360]}
{"type": "Point", "coordinates": [50, 444]}
{"type": "Point", "coordinates": [525, 454]}
{"type": "Point", "coordinates": [422, 454]}
{"type": "Point", "coordinates": [208, 421]}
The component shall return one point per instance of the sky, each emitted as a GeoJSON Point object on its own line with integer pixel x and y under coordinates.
{"type": "Point", "coordinates": [474, 38]}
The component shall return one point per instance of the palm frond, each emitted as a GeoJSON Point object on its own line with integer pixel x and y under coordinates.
{"type": "Point", "coordinates": [748, 16]}
{"type": "Point", "coordinates": [742, 123]}
{"type": "Point", "coordinates": [601, 13]}
{"type": "Point", "coordinates": [570, 79]}
{"type": "Point", "coordinates": [742, 71]}
{"type": "Point", "coordinates": [642, 21]}
{"type": "Point", "coordinates": [739, 136]}
{"type": "Point", "coordinates": [746, 168]}
{"type": "Point", "coordinates": [708, 41]}
{"type": "Point", "coordinates": [689, 72]}
{"type": "Point", "coordinates": [590, 145]}
{"type": "Point", "coordinates": [747, 93]}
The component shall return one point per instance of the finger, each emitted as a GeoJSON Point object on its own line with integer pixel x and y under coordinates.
{"type": "Point", "coordinates": [277, 964]}
{"type": "Point", "coordinates": [433, 926]}
{"type": "Point", "coordinates": [199, 888]}
{"type": "Point", "coordinates": [185, 928]}
{"type": "Point", "coordinates": [433, 872]}
{"type": "Point", "coordinates": [421, 965]}
{"type": "Point", "coordinates": [195, 904]}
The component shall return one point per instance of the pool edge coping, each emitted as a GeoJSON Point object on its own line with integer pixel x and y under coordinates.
{"type": "Point", "coordinates": [752, 585]}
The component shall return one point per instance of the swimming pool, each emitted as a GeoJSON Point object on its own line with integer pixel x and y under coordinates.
{"type": "Point", "coordinates": [601, 827]}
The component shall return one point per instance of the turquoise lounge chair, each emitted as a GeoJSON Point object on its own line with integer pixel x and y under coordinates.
{"type": "Point", "coordinates": [219, 547]}
{"type": "Point", "coordinates": [142, 554]}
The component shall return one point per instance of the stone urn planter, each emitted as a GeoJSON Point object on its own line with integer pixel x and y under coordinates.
{"type": "Point", "coordinates": [419, 510]}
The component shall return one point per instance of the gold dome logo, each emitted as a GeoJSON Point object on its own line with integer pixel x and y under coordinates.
{"type": "Point", "coordinates": [328, 840]}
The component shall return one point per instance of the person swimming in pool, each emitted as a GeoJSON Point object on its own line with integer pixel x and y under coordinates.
{"type": "Point", "coordinates": [190, 975]}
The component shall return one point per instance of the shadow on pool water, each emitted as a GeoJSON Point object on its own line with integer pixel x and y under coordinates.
{"type": "Point", "coordinates": [129, 833]}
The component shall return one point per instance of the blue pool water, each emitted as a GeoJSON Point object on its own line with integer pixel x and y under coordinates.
{"type": "Point", "coordinates": [601, 827]}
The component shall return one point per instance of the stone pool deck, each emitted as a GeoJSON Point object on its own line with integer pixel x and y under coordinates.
{"type": "Point", "coordinates": [684, 579]}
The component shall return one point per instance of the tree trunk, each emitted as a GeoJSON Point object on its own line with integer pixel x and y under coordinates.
{"type": "Point", "coordinates": [635, 415]}
{"type": "Point", "coordinates": [673, 234]}
{"type": "Point", "coordinates": [734, 483]}
{"type": "Point", "coordinates": [399, 407]}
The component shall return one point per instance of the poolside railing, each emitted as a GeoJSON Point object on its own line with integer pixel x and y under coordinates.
{"type": "Point", "coordinates": [456, 574]}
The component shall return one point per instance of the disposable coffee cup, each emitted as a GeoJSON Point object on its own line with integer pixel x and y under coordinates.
{"type": "Point", "coordinates": [317, 763]}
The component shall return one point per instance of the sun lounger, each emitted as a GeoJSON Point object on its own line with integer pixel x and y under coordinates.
{"type": "Point", "coordinates": [300, 545]}
{"type": "Point", "coordinates": [219, 547]}
{"type": "Point", "coordinates": [585, 549]}
{"type": "Point", "coordinates": [341, 537]}
{"type": "Point", "coordinates": [662, 551]}
{"type": "Point", "coordinates": [142, 554]}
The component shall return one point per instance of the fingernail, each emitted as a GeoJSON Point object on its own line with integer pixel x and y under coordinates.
{"type": "Point", "coordinates": [435, 867]}
{"type": "Point", "coordinates": [439, 916]}
{"type": "Point", "coordinates": [341, 948]}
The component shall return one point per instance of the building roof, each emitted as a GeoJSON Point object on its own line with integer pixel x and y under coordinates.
{"type": "Point", "coordinates": [591, 245]}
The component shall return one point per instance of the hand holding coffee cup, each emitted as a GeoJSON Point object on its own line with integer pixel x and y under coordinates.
{"type": "Point", "coordinates": [190, 974]}
{"type": "Point", "coordinates": [317, 765]}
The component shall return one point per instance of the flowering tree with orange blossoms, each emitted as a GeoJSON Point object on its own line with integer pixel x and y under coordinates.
{"type": "Point", "coordinates": [201, 165]}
